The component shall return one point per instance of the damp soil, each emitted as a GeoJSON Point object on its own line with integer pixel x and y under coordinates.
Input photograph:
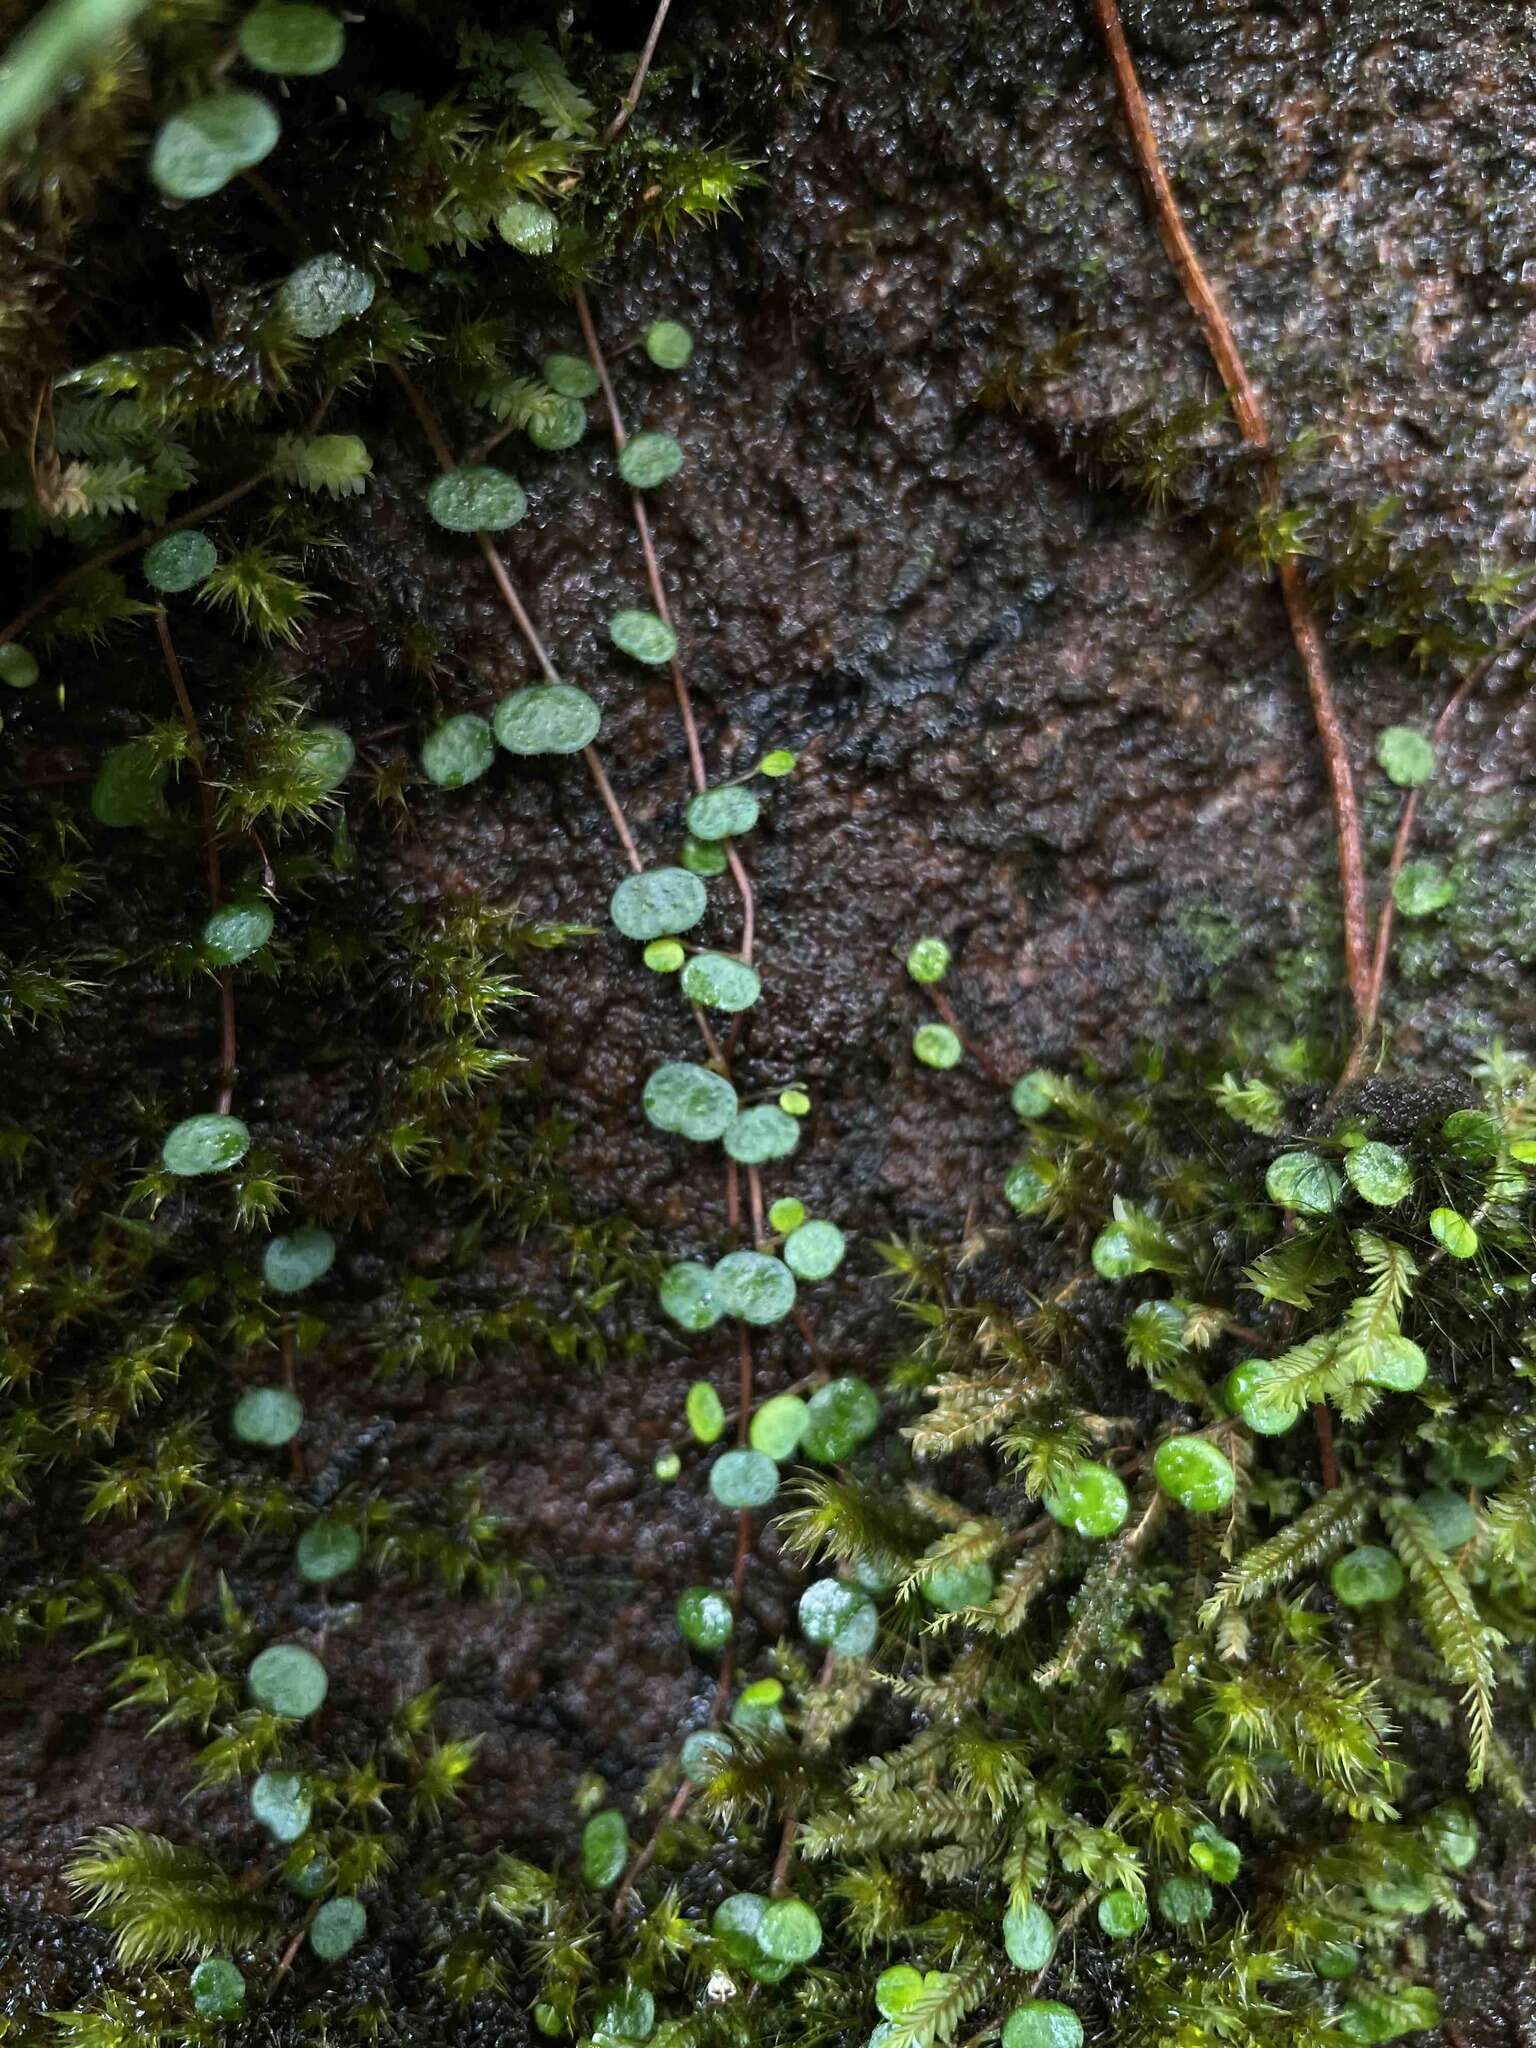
{"type": "Point", "coordinates": [1065, 732]}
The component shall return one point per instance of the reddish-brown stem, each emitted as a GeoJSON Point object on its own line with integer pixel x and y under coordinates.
{"type": "Point", "coordinates": [987, 1064]}
{"type": "Point", "coordinates": [631, 99]}
{"type": "Point", "coordinates": [644, 1857]}
{"type": "Point", "coordinates": [522, 619]}
{"type": "Point", "coordinates": [778, 1884]}
{"type": "Point", "coordinates": [209, 810]}
{"type": "Point", "coordinates": [680, 691]}
{"type": "Point", "coordinates": [1327, 1457]}
{"type": "Point", "coordinates": [285, 1963]}
{"type": "Point", "coordinates": [755, 1198]}
{"type": "Point", "coordinates": [1475, 677]}
{"type": "Point", "coordinates": [1249, 412]}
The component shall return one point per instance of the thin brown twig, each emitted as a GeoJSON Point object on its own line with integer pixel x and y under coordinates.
{"type": "Point", "coordinates": [643, 1858]}
{"type": "Point", "coordinates": [228, 1046]}
{"type": "Point", "coordinates": [1249, 412]}
{"type": "Point", "coordinates": [631, 99]}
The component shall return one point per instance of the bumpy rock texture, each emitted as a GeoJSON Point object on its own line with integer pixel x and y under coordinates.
{"type": "Point", "coordinates": [1063, 731]}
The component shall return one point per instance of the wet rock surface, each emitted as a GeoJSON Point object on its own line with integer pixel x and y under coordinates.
{"type": "Point", "coordinates": [1065, 732]}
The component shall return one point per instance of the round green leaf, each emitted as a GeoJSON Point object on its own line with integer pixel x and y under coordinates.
{"type": "Point", "coordinates": [281, 1805]}
{"type": "Point", "coordinates": [703, 857]}
{"type": "Point", "coordinates": [1452, 1831]}
{"type": "Point", "coordinates": [1034, 1095]}
{"type": "Point", "coordinates": [1397, 1889]}
{"type": "Point", "coordinates": [604, 1849]}
{"type": "Point", "coordinates": [327, 1549]}
{"type": "Point", "coordinates": [129, 786]}
{"type": "Point", "coordinates": [648, 460]}
{"type": "Point", "coordinates": [953, 1587]}
{"type": "Point", "coordinates": [667, 1467]}
{"type": "Point", "coordinates": [1194, 1473]}
{"type": "Point", "coordinates": [668, 344]}
{"type": "Point", "coordinates": [18, 666]}
{"type": "Point", "coordinates": [758, 1709]}
{"type": "Point", "coordinates": [326, 758]}
{"type": "Point", "coordinates": [716, 981]}
{"type": "Point", "coordinates": [297, 1260]}
{"type": "Point", "coordinates": [629, 2015]}
{"type": "Point", "coordinates": [571, 376]}
{"type": "Point", "coordinates": [531, 229]}
{"type": "Point", "coordinates": [1029, 1936]}
{"type": "Point", "coordinates": [1250, 1394]}
{"type": "Point", "coordinates": [1042, 2023]}
{"type": "Point", "coordinates": [1422, 888]}
{"type": "Point", "coordinates": [204, 1144]}
{"type": "Point", "coordinates": [1395, 1361]}
{"type": "Point", "coordinates": [339, 1926]}
{"type": "Point", "coordinates": [735, 1921]}
{"type": "Point", "coordinates": [928, 960]}
{"type": "Point", "coordinates": [547, 718]}
{"type": "Point", "coordinates": [687, 1295]}
{"type": "Point", "coordinates": [556, 423]}
{"type": "Point", "coordinates": [1366, 1576]}
{"type": "Point", "coordinates": [843, 1414]}
{"type": "Point", "coordinates": [1450, 1515]}
{"type": "Point", "coordinates": [704, 1618]}
{"type": "Point", "coordinates": [1121, 1914]}
{"type": "Point", "coordinates": [1212, 1853]}
{"type": "Point", "coordinates": [311, 1879]}
{"type": "Point", "coordinates": [723, 813]}
{"type": "Point", "coordinates": [777, 764]}
{"type": "Point", "coordinates": [1472, 1135]}
{"type": "Point", "coordinates": [291, 39]}
{"type": "Point", "coordinates": [815, 1250]}
{"type": "Point", "coordinates": [794, 1102]}
{"type": "Point", "coordinates": [1093, 1501]}
{"type": "Point", "coordinates": [759, 1134]}
{"type": "Point", "coordinates": [1407, 757]}
{"type": "Point", "coordinates": [1184, 1901]}
{"type": "Point", "coordinates": [287, 1680]}
{"type": "Point", "coordinates": [1336, 1959]}
{"type": "Point", "coordinates": [199, 149]}
{"type": "Point", "coordinates": [179, 561]}
{"type": "Point", "coordinates": [657, 904]}
{"type": "Point", "coordinates": [476, 499]}
{"type": "Point", "coordinates": [706, 1415]}
{"type": "Point", "coordinates": [1029, 1186]}
{"type": "Point", "coordinates": [236, 932]}
{"type": "Point", "coordinates": [457, 751]}
{"type": "Point", "coordinates": [704, 1755]}
{"type": "Point", "coordinates": [897, 1988]}
{"type": "Point", "coordinates": [1451, 1230]}
{"type": "Point", "coordinates": [267, 1416]}
{"type": "Point", "coordinates": [788, 1932]}
{"type": "Point", "coordinates": [753, 1286]}
{"type": "Point", "coordinates": [778, 1426]}
{"type": "Point", "coordinates": [1379, 1173]}
{"type": "Point", "coordinates": [744, 1479]}
{"type": "Point", "coordinates": [644, 636]}
{"type": "Point", "coordinates": [664, 956]}
{"type": "Point", "coordinates": [1304, 1182]}
{"type": "Point", "coordinates": [1113, 1255]}
{"type": "Point", "coordinates": [839, 1617]}
{"type": "Point", "coordinates": [935, 1045]}
{"type": "Point", "coordinates": [690, 1100]}
{"type": "Point", "coordinates": [218, 1989]}
{"type": "Point", "coordinates": [787, 1213]}
{"type": "Point", "coordinates": [322, 295]}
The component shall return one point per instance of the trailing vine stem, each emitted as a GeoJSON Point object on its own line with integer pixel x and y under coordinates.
{"type": "Point", "coordinates": [680, 689]}
{"type": "Point", "coordinates": [631, 98]}
{"type": "Point", "coordinates": [1248, 410]}
{"type": "Point", "coordinates": [227, 1041]}
{"type": "Point", "coordinates": [502, 577]}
